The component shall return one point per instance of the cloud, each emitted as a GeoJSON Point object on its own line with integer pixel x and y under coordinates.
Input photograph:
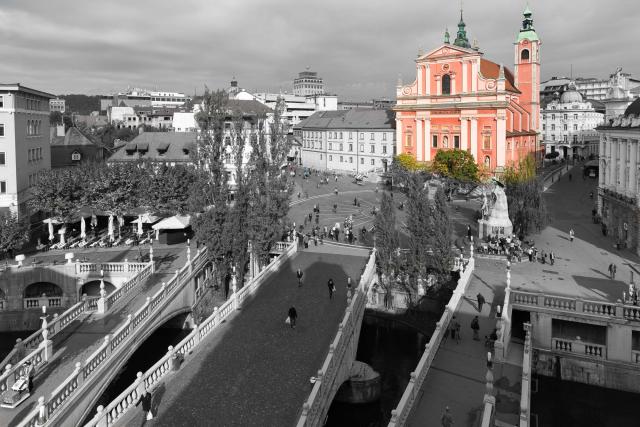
{"type": "Point", "coordinates": [359, 47]}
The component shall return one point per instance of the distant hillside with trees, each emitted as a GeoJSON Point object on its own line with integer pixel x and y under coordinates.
{"type": "Point", "coordinates": [82, 104]}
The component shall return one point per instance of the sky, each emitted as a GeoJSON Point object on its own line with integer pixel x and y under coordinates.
{"type": "Point", "coordinates": [359, 47]}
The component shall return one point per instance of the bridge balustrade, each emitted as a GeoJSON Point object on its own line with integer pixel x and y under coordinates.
{"type": "Point", "coordinates": [314, 410]}
{"type": "Point", "coordinates": [400, 415]}
{"type": "Point", "coordinates": [109, 415]}
{"type": "Point", "coordinates": [113, 343]}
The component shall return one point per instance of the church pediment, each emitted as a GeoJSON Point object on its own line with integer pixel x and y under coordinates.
{"type": "Point", "coordinates": [447, 50]}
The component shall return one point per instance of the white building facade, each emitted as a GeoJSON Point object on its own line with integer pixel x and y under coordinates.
{"type": "Point", "coordinates": [58, 104]}
{"type": "Point", "coordinates": [24, 143]}
{"type": "Point", "coordinates": [568, 125]}
{"type": "Point", "coordinates": [619, 177]}
{"type": "Point", "coordinates": [348, 141]}
{"type": "Point", "coordinates": [308, 83]}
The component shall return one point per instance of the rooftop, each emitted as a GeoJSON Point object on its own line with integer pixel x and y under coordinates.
{"type": "Point", "coordinates": [17, 87]}
{"type": "Point", "coordinates": [351, 119]}
{"type": "Point", "coordinates": [157, 146]}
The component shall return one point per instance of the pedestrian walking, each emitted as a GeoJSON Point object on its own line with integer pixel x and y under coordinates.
{"type": "Point", "coordinates": [145, 400]}
{"type": "Point", "coordinates": [455, 329]}
{"type": "Point", "coordinates": [614, 271]}
{"type": "Point", "coordinates": [475, 325]}
{"type": "Point", "coordinates": [481, 301]}
{"type": "Point", "coordinates": [348, 287]}
{"type": "Point", "coordinates": [610, 271]}
{"type": "Point", "coordinates": [446, 420]}
{"type": "Point", "coordinates": [468, 232]}
{"type": "Point", "coordinates": [292, 317]}
{"type": "Point", "coordinates": [332, 288]}
{"type": "Point", "coordinates": [530, 253]}
{"type": "Point", "coordinates": [30, 373]}
{"type": "Point", "coordinates": [299, 275]}
{"type": "Point", "coordinates": [571, 234]}
{"type": "Point", "coordinates": [552, 258]}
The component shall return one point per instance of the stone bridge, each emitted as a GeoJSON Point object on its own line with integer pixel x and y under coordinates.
{"type": "Point", "coordinates": [72, 397]}
{"type": "Point", "coordinates": [263, 303]}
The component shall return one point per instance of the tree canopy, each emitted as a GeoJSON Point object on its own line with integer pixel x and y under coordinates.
{"type": "Point", "coordinates": [524, 190]}
{"type": "Point", "coordinates": [14, 233]}
{"type": "Point", "coordinates": [455, 164]}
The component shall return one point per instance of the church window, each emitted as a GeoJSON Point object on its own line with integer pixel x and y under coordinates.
{"type": "Point", "coordinates": [456, 141]}
{"type": "Point", "coordinates": [362, 160]}
{"type": "Point", "coordinates": [434, 141]}
{"type": "Point", "coordinates": [445, 141]}
{"type": "Point", "coordinates": [524, 55]}
{"type": "Point", "coordinates": [373, 162]}
{"type": "Point", "coordinates": [446, 84]}
{"type": "Point", "coordinates": [553, 117]}
{"type": "Point", "coordinates": [407, 142]}
{"type": "Point", "coordinates": [350, 147]}
{"type": "Point", "coordinates": [564, 116]}
{"type": "Point", "coordinates": [486, 142]}
{"type": "Point", "coordinates": [330, 146]}
{"type": "Point", "coordinates": [330, 158]}
{"type": "Point", "coordinates": [487, 162]}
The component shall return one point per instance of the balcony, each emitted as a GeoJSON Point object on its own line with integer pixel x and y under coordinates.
{"type": "Point", "coordinates": [579, 347]}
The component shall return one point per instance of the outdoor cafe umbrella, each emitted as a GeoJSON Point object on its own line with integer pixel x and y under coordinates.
{"type": "Point", "coordinates": [83, 228]}
{"type": "Point", "coordinates": [139, 225]}
{"type": "Point", "coordinates": [62, 232]}
{"type": "Point", "coordinates": [110, 228]}
{"type": "Point", "coordinates": [50, 222]}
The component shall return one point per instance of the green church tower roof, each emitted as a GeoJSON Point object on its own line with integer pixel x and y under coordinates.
{"type": "Point", "coordinates": [527, 32]}
{"type": "Point", "coordinates": [461, 37]}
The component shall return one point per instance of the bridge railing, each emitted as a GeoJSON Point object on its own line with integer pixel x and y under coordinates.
{"type": "Point", "coordinates": [110, 267]}
{"type": "Point", "coordinates": [13, 364]}
{"type": "Point", "coordinates": [130, 284]}
{"type": "Point", "coordinates": [111, 347]}
{"type": "Point", "coordinates": [109, 415]}
{"type": "Point", "coordinates": [416, 378]}
{"type": "Point", "coordinates": [315, 408]}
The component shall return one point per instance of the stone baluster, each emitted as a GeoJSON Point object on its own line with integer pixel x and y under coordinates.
{"type": "Point", "coordinates": [102, 302]}
{"type": "Point", "coordinates": [43, 416]}
{"type": "Point", "coordinates": [100, 417]}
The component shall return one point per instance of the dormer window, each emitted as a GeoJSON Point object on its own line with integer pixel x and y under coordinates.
{"type": "Point", "coordinates": [76, 156]}
{"type": "Point", "coordinates": [143, 147]}
{"type": "Point", "coordinates": [162, 148]}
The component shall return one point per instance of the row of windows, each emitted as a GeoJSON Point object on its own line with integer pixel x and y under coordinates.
{"type": "Point", "coordinates": [565, 127]}
{"type": "Point", "coordinates": [168, 99]}
{"type": "Point", "coordinates": [565, 117]}
{"type": "Point", "coordinates": [340, 147]}
{"type": "Point", "coordinates": [339, 135]}
{"type": "Point", "coordinates": [33, 178]}
{"type": "Point", "coordinates": [443, 141]}
{"type": "Point", "coordinates": [343, 159]}
{"type": "Point", "coordinates": [34, 154]}
{"type": "Point", "coordinates": [34, 127]}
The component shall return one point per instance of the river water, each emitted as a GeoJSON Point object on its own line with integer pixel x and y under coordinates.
{"type": "Point", "coordinates": [8, 340]}
{"type": "Point", "coordinates": [391, 349]}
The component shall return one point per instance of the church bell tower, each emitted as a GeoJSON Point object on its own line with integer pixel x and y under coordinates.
{"type": "Point", "coordinates": [527, 68]}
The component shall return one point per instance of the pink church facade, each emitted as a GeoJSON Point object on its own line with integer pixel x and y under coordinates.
{"type": "Point", "coordinates": [462, 100]}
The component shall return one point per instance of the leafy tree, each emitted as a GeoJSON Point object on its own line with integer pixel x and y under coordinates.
{"type": "Point", "coordinates": [455, 164]}
{"type": "Point", "coordinates": [55, 118]}
{"type": "Point", "coordinates": [59, 192]}
{"type": "Point", "coordinates": [14, 233]}
{"type": "Point", "coordinates": [403, 166]}
{"type": "Point", "coordinates": [441, 230]}
{"type": "Point", "coordinates": [82, 104]}
{"type": "Point", "coordinates": [169, 188]}
{"type": "Point", "coordinates": [419, 229]}
{"type": "Point", "coordinates": [524, 190]}
{"type": "Point", "coordinates": [387, 238]}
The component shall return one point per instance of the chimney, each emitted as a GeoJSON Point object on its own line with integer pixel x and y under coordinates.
{"type": "Point", "coordinates": [60, 130]}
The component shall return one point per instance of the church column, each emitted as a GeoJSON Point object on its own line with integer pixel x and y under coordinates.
{"type": "Point", "coordinates": [453, 84]}
{"type": "Point", "coordinates": [633, 162]}
{"type": "Point", "coordinates": [464, 132]}
{"type": "Point", "coordinates": [438, 85]}
{"type": "Point", "coordinates": [427, 80]}
{"type": "Point", "coordinates": [501, 140]}
{"type": "Point", "coordinates": [603, 157]}
{"type": "Point", "coordinates": [474, 138]}
{"type": "Point", "coordinates": [420, 68]}
{"type": "Point", "coordinates": [474, 76]}
{"type": "Point", "coordinates": [427, 140]}
{"type": "Point", "coordinates": [398, 137]}
{"type": "Point", "coordinates": [614, 163]}
{"type": "Point", "coordinates": [419, 140]}
{"type": "Point", "coordinates": [465, 88]}
{"type": "Point", "coordinates": [623, 167]}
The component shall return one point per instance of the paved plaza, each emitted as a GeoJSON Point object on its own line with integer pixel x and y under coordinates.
{"type": "Point", "coordinates": [457, 376]}
{"type": "Point", "coordinates": [254, 370]}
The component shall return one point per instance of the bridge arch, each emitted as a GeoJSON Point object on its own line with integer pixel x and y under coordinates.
{"type": "Point", "coordinates": [92, 288]}
{"type": "Point", "coordinates": [39, 289]}
{"type": "Point", "coordinates": [124, 358]}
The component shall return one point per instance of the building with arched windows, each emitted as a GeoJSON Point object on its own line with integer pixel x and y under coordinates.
{"type": "Point", "coordinates": [462, 100]}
